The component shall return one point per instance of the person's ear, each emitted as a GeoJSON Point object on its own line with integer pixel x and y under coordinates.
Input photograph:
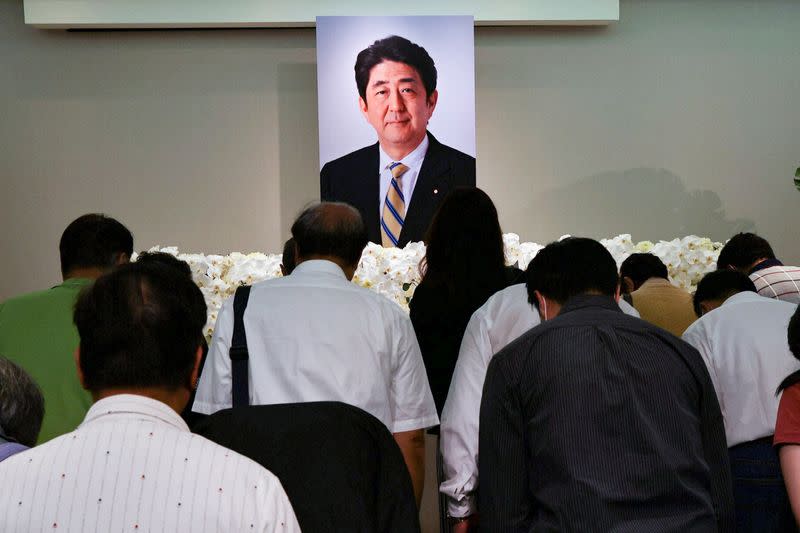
{"type": "Point", "coordinates": [122, 258]}
{"type": "Point", "coordinates": [195, 377]}
{"type": "Point", "coordinates": [627, 285]}
{"type": "Point", "coordinates": [362, 105]}
{"type": "Point", "coordinates": [616, 294]}
{"type": "Point", "coordinates": [432, 99]}
{"type": "Point", "coordinates": [77, 356]}
{"type": "Point", "coordinates": [542, 304]}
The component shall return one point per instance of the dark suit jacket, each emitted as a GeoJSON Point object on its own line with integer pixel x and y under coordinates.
{"type": "Point", "coordinates": [340, 467]}
{"type": "Point", "coordinates": [354, 179]}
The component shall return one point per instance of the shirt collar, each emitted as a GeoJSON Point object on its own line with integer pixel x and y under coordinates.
{"type": "Point", "coordinates": [319, 266]}
{"type": "Point", "coordinates": [583, 301]}
{"type": "Point", "coordinates": [412, 160]}
{"type": "Point", "coordinates": [76, 282]}
{"type": "Point", "coordinates": [744, 296]}
{"type": "Point", "coordinates": [651, 282]}
{"type": "Point", "coordinates": [134, 404]}
{"type": "Point", "coordinates": [766, 263]}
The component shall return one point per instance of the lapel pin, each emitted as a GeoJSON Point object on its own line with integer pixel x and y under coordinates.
{"type": "Point", "coordinates": [435, 191]}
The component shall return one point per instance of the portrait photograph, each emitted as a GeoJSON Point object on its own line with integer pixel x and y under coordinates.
{"type": "Point", "coordinates": [396, 117]}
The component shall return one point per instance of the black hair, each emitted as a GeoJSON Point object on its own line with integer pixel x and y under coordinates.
{"type": "Point", "coordinates": [93, 240]}
{"type": "Point", "coordinates": [140, 326]}
{"type": "Point", "coordinates": [332, 229]}
{"type": "Point", "coordinates": [572, 266]}
{"type": "Point", "coordinates": [166, 259]}
{"type": "Point", "coordinates": [641, 267]}
{"type": "Point", "coordinates": [742, 250]}
{"type": "Point", "coordinates": [793, 334]}
{"type": "Point", "coordinates": [287, 259]}
{"type": "Point", "coordinates": [464, 251]}
{"type": "Point", "coordinates": [397, 49]}
{"type": "Point", "coordinates": [21, 404]}
{"type": "Point", "coordinates": [720, 285]}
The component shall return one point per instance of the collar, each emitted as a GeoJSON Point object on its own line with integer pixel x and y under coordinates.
{"type": "Point", "coordinates": [582, 301]}
{"type": "Point", "coordinates": [652, 282]}
{"type": "Point", "coordinates": [75, 282]}
{"type": "Point", "coordinates": [744, 296]}
{"type": "Point", "coordinates": [766, 263]}
{"type": "Point", "coordinates": [133, 404]}
{"type": "Point", "coordinates": [319, 266]}
{"type": "Point", "coordinates": [412, 160]}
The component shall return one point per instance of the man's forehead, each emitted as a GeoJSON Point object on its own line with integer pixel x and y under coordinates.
{"type": "Point", "coordinates": [388, 70]}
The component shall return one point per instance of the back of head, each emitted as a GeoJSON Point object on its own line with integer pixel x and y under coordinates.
{"type": "Point", "coordinates": [140, 327]}
{"type": "Point", "coordinates": [720, 285]}
{"type": "Point", "coordinates": [330, 229]}
{"type": "Point", "coordinates": [743, 250]}
{"type": "Point", "coordinates": [21, 404]}
{"type": "Point", "coordinates": [641, 267]}
{"type": "Point", "coordinates": [570, 267]}
{"type": "Point", "coordinates": [94, 241]}
{"type": "Point", "coordinates": [169, 260]}
{"type": "Point", "coordinates": [464, 245]}
{"type": "Point", "coordinates": [400, 50]}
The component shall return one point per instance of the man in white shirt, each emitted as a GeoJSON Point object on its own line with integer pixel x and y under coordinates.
{"type": "Point", "coordinates": [753, 255]}
{"type": "Point", "coordinates": [742, 339]}
{"type": "Point", "coordinates": [315, 336]}
{"type": "Point", "coordinates": [505, 316]}
{"type": "Point", "coordinates": [133, 464]}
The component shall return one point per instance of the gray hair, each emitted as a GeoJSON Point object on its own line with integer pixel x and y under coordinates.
{"type": "Point", "coordinates": [21, 404]}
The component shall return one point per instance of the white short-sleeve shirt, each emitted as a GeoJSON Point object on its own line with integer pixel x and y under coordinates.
{"type": "Point", "coordinates": [133, 465]}
{"type": "Point", "coordinates": [315, 336]}
{"type": "Point", "coordinates": [505, 316]}
{"type": "Point", "coordinates": [745, 347]}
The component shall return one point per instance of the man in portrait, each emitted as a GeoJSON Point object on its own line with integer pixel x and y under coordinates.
{"type": "Point", "coordinates": [398, 182]}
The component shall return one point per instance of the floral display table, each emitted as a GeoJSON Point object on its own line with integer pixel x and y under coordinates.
{"type": "Point", "coordinates": [394, 272]}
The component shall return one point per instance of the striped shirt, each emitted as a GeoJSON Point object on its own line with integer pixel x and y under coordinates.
{"type": "Point", "coordinates": [597, 421]}
{"type": "Point", "coordinates": [778, 281]}
{"type": "Point", "coordinates": [133, 465]}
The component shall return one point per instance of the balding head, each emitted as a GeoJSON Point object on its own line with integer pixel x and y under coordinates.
{"type": "Point", "coordinates": [330, 230]}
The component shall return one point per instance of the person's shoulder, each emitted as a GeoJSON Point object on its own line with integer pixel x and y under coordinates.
{"type": "Point", "coordinates": [448, 152]}
{"type": "Point", "coordinates": [347, 161]}
{"type": "Point", "coordinates": [30, 298]}
{"type": "Point", "coordinates": [213, 452]}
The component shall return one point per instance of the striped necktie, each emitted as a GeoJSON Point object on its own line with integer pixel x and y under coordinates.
{"type": "Point", "coordinates": [394, 208]}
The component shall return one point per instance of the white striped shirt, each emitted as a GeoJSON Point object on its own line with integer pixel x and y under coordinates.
{"type": "Point", "coordinates": [779, 282]}
{"type": "Point", "coordinates": [133, 465]}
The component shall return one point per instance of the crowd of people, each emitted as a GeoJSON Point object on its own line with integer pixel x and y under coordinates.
{"type": "Point", "coordinates": [599, 399]}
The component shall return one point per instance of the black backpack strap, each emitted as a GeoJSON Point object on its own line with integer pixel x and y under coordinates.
{"type": "Point", "coordinates": [238, 352]}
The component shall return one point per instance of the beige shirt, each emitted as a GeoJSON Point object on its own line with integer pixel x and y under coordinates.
{"type": "Point", "coordinates": [665, 305]}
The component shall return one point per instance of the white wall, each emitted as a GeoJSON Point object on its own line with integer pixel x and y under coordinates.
{"type": "Point", "coordinates": [682, 118]}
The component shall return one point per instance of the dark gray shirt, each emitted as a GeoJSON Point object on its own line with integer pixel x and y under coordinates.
{"type": "Point", "coordinates": [598, 421]}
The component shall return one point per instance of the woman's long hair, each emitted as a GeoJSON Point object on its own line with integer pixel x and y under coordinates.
{"type": "Point", "coordinates": [465, 253]}
{"type": "Point", "coordinates": [794, 346]}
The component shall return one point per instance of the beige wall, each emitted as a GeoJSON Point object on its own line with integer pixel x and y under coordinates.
{"type": "Point", "coordinates": [682, 118]}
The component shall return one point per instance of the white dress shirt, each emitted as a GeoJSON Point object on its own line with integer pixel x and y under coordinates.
{"type": "Point", "coordinates": [133, 465]}
{"type": "Point", "coordinates": [505, 316]}
{"type": "Point", "coordinates": [315, 336]}
{"type": "Point", "coordinates": [414, 163]}
{"type": "Point", "coordinates": [744, 345]}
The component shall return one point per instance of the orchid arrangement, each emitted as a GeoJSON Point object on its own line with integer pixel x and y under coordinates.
{"type": "Point", "coordinates": [394, 272]}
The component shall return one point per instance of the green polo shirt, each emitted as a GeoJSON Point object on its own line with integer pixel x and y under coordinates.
{"type": "Point", "coordinates": [37, 333]}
